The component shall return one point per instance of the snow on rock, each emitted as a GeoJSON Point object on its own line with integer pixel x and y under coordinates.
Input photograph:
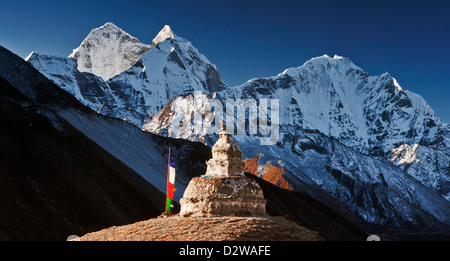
{"type": "Point", "coordinates": [428, 165]}
{"type": "Point", "coordinates": [108, 51]}
{"type": "Point", "coordinates": [87, 88]}
{"type": "Point", "coordinates": [404, 154]}
{"type": "Point", "coordinates": [181, 118]}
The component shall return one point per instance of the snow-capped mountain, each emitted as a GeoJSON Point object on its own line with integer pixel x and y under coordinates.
{"type": "Point", "coordinates": [341, 130]}
{"type": "Point", "coordinates": [169, 67]}
{"type": "Point", "coordinates": [309, 160]}
{"type": "Point", "coordinates": [332, 95]}
{"type": "Point", "coordinates": [371, 114]}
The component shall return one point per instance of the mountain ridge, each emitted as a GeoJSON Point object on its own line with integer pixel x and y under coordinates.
{"type": "Point", "coordinates": [140, 90]}
{"type": "Point", "coordinates": [371, 116]}
{"type": "Point", "coordinates": [61, 201]}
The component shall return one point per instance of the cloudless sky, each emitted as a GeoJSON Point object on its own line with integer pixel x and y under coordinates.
{"type": "Point", "coordinates": [248, 38]}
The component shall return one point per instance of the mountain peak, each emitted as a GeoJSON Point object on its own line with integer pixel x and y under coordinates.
{"type": "Point", "coordinates": [110, 25]}
{"type": "Point", "coordinates": [337, 62]}
{"type": "Point", "coordinates": [325, 60]}
{"type": "Point", "coordinates": [104, 32]}
{"type": "Point", "coordinates": [108, 51]}
{"type": "Point", "coordinates": [165, 33]}
{"type": "Point", "coordinates": [31, 55]}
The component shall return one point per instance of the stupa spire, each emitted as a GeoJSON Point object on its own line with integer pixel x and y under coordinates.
{"type": "Point", "coordinates": [227, 157]}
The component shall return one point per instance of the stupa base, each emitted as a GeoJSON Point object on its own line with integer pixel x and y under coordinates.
{"type": "Point", "coordinates": [223, 196]}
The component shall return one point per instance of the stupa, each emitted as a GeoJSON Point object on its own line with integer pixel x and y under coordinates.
{"type": "Point", "coordinates": [223, 190]}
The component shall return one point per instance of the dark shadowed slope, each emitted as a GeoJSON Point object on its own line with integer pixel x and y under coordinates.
{"type": "Point", "coordinates": [31, 83]}
{"type": "Point", "coordinates": [54, 181]}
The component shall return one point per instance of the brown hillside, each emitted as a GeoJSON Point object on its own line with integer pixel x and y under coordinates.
{"type": "Point", "coordinates": [225, 228]}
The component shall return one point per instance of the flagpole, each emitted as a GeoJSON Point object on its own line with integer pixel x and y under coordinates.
{"type": "Point", "coordinates": [168, 176]}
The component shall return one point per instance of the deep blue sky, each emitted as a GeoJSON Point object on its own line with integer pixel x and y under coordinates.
{"type": "Point", "coordinates": [247, 39]}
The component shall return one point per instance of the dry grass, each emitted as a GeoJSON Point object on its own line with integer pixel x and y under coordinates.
{"type": "Point", "coordinates": [207, 229]}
